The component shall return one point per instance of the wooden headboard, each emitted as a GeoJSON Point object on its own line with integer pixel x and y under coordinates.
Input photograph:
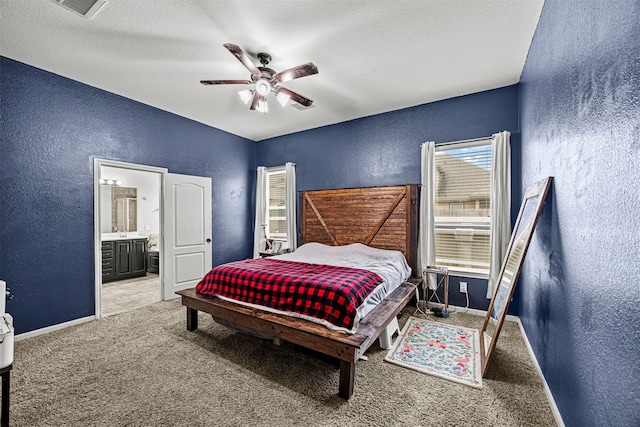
{"type": "Point", "coordinates": [380, 217]}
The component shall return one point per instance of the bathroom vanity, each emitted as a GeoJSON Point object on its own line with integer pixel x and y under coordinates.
{"type": "Point", "coordinates": [123, 258]}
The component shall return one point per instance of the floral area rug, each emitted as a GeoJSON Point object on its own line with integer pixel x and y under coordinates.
{"type": "Point", "coordinates": [446, 351]}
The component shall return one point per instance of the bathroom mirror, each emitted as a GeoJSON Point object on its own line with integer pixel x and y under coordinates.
{"type": "Point", "coordinates": [124, 209]}
{"type": "Point", "coordinates": [520, 238]}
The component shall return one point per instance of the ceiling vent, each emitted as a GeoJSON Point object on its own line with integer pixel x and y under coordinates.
{"type": "Point", "coordinates": [84, 8]}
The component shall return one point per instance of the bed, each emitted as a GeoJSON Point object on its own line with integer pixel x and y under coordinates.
{"type": "Point", "coordinates": [377, 217]}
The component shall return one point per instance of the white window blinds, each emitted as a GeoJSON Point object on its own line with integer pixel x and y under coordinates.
{"type": "Point", "coordinates": [276, 205]}
{"type": "Point", "coordinates": [463, 206]}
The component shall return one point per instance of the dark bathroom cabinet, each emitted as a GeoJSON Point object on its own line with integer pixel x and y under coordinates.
{"type": "Point", "coordinates": [123, 259]}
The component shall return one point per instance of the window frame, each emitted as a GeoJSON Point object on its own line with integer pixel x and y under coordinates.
{"type": "Point", "coordinates": [461, 271]}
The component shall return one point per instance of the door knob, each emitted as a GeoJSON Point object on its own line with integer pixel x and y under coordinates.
{"type": "Point", "coordinates": [208, 240]}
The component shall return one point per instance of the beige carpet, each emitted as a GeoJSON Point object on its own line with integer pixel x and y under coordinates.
{"type": "Point", "coordinates": [142, 368]}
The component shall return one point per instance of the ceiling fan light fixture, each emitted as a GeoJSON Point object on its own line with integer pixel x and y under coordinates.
{"type": "Point", "coordinates": [262, 106]}
{"type": "Point", "coordinates": [265, 80]}
{"type": "Point", "coordinates": [263, 87]}
{"type": "Point", "coordinates": [245, 95]}
{"type": "Point", "coordinates": [283, 98]}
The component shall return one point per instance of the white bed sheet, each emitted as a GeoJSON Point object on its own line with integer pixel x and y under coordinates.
{"type": "Point", "coordinates": [390, 265]}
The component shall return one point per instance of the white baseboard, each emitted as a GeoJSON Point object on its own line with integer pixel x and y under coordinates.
{"type": "Point", "coordinates": [547, 390]}
{"type": "Point", "coordinates": [52, 328]}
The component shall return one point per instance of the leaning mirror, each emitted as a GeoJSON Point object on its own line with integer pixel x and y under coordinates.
{"type": "Point", "coordinates": [520, 238]}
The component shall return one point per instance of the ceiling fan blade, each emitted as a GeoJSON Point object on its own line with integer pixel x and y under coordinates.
{"type": "Point", "coordinates": [242, 57]}
{"type": "Point", "coordinates": [296, 97]}
{"type": "Point", "coordinates": [296, 72]}
{"type": "Point", "coordinates": [226, 82]}
{"type": "Point", "coordinates": [256, 99]}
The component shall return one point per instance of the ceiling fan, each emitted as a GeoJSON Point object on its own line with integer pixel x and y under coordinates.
{"type": "Point", "coordinates": [266, 81]}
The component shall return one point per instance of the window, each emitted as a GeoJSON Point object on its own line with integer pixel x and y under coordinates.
{"type": "Point", "coordinates": [276, 215]}
{"type": "Point", "coordinates": [463, 207]}
{"type": "Point", "coordinates": [275, 221]}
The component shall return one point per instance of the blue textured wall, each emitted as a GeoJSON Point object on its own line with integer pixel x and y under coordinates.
{"type": "Point", "coordinates": [580, 122]}
{"type": "Point", "coordinates": [52, 128]}
{"type": "Point", "coordinates": [385, 150]}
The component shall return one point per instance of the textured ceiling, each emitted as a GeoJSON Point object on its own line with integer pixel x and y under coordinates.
{"type": "Point", "coordinates": [373, 56]}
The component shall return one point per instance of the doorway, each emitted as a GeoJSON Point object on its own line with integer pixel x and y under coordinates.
{"type": "Point", "coordinates": [128, 218]}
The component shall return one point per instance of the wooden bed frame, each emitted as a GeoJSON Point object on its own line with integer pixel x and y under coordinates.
{"type": "Point", "coordinates": [381, 217]}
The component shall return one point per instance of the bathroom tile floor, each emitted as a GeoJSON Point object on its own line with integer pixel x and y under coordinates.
{"type": "Point", "coordinates": [126, 295]}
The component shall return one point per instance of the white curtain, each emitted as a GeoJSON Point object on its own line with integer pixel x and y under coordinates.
{"type": "Point", "coordinates": [500, 205]}
{"type": "Point", "coordinates": [261, 210]}
{"type": "Point", "coordinates": [427, 229]}
{"type": "Point", "coordinates": [290, 178]}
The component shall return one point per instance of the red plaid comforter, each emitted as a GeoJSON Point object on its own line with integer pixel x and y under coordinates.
{"type": "Point", "coordinates": [329, 293]}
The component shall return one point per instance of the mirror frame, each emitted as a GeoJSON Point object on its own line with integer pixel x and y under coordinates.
{"type": "Point", "coordinates": [488, 343]}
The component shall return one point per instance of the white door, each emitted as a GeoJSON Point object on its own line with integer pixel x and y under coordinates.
{"type": "Point", "coordinates": [187, 232]}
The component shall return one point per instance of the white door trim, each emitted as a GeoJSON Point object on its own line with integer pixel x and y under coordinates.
{"type": "Point", "coordinates": [97, 164]}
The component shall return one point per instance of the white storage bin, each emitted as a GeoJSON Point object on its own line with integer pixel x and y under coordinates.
{"type": "Point", "coordinates": [6, 340]}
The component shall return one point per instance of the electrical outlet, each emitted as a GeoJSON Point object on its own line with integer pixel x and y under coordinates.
{"type": "Point", "coordinates": [463, 287]}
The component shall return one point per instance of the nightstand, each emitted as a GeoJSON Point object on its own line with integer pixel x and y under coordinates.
{"type": "Point", "coordinates": [443, 282]}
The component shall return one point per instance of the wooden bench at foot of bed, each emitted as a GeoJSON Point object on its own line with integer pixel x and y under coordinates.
{"type": "Point", "coordinates": [346, 348]}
